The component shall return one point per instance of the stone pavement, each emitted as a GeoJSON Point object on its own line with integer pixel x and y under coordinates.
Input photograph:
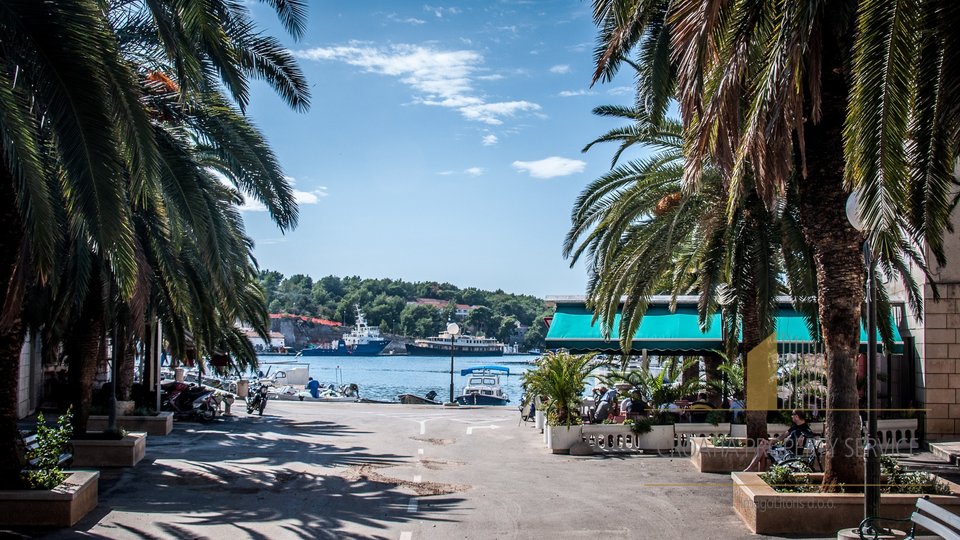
{"type": "Point", "coordinates": [337, 470]}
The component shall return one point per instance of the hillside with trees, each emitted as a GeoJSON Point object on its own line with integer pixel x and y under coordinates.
{"type": "Point", "coordinates": [391, 304]}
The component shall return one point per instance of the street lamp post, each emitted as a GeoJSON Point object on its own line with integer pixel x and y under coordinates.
{"type": "Point", "coordinates": [453, 329]}
{"type": "Point", "coordinates": [871, 453]}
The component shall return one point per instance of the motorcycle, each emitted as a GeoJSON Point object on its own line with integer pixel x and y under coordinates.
{"type": "Point", "coordinates": [257, 399]}
{"type": "Point", "coordinates": [188, 401]}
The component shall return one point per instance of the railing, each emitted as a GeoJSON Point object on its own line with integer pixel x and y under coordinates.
{"type": "Point", "coordinates": [895, 436]}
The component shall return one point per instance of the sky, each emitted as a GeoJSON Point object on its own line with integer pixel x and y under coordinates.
{"type": "Point", "coordinates": [443, 142]}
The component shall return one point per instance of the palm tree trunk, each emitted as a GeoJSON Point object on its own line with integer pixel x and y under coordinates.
{"type": "Point", "coordinates": [840, 273]}
{"type": "Point", "coordinates": [711, 365]}
{"type": "Point", "coordinates": [11, 333]}
{"type": "Point", "coordinates": [756, 418]}
{"type": "Point", "coordinates": [83, 348]}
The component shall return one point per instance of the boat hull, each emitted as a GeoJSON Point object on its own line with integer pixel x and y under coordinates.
{"type": "Point", "coordinates": [417, 350]}
{"type": "Point", "coordinates": [374, 348]}
{"type": "Point", "coordinates": [411, 399]}
{"type": "Point", "coordinates": [481, 399]}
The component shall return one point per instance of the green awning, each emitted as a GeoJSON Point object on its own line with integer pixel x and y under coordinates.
{"type": "Point", "coordinates": [664, 332]}
{"type": "Point", "coordinates": [661, 331]}
{"type": "Point", "coordinates": [792, 328]}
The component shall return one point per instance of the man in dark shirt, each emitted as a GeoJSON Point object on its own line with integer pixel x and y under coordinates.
{"type": "Point", "coordinates": [790, 439]}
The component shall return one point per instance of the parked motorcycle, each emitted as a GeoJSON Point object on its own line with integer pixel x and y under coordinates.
{"type": "Point", "coordinates": [257, 398]}
{"type": "Point", "coordinates": [188, 401]}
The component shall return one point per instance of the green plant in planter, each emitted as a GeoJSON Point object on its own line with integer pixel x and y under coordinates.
{"type": "Point", "coordinates": [786, 480]}
{"type": "Point", "coordinates": [560, 376]}
{"type": "Point", "coordinates": [661, 389]}
{"type": "Point", "coordinates": [45, 471]}
{"type": "Point", "coordinates": [717, 416]}
{"type": "Point", "coordinates": [899, 480]}
{"type": "Point", "coordinates": [640, 426]}
{"type": "Point", "coordinates": [723, 441]}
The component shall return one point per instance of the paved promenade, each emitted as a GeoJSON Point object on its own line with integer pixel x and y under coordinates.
{"type": "Point", "coordinates": [308, 470]}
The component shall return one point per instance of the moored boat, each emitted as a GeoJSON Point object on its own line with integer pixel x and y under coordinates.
{"type": "Point", "coordinates": [483, 386]}
{"type": "Point", "coordinates": [363, 340]}
{"type": "Point", "coordinates": [413, 399]}
{"type": "Point", "coordinates": [460, 345]}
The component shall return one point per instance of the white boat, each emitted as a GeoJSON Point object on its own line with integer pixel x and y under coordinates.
{"type": "Point", "coordinates": [483, 386]}
{"type": "Point", "coordinates": [460, 345]}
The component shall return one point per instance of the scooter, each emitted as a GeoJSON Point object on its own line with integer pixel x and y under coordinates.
{"type": "Point", "coordinates": [188, 401]}
{"type": "Point", "coordinates": [257, 399]}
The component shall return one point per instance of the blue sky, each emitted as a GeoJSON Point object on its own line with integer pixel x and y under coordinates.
{"type": "Point", "coordinates": [442, 144]}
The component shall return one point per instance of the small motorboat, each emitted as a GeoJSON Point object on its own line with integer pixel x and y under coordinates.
{"type": "Point", "coordinates": [483, 387]}
{"type": "Point", "coordinates": [412, 399]}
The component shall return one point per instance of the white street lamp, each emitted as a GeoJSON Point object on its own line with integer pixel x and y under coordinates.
{"type": "Point", "coordinates": [871, 453]}
{"type": "Point", "coordinates": [453, 329]}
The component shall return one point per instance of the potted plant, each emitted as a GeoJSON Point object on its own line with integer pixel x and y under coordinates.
{"type": "Point", "coordinates": [561, 377]}
{"type": "Point", "coordinates": [47, 495]}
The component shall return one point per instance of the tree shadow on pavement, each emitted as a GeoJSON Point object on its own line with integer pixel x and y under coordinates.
{"type": "Point", "coordinates": [256, 479]}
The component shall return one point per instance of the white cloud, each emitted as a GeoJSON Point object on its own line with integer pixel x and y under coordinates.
{"type": "Point", "coordinates": [472, 171]}
{"type": "Point", "coordinates": [301, 197]}
{"type": "Point", "coordinates": [439, 11]}
{"type": "Point", "coordinates": [574, 93]}
{"type": "Point", "coordinates": [309, 197]}
{"type": "Point", "coordinates": [251, 205]}
{"type": "Point", "coordinates": [405, 20]}
{"type": "Point", "coordinates": [560, 68]}
{"type": "Point", "coordinates": [490, 140]}
{"type": "Point", "coordinates": [621, 90]}
{"type": "Point", "coordinates": [443, 78]}
{"type": "Point", "coordinates": [550, 167]}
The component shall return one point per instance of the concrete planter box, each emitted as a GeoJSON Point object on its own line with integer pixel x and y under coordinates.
{"type": "Point", "coordinates": [561, 438]}
{"type": "Point", "coordinates": [158, 426]}
{"type": "Point", "coordinates": [708, 458]}
{"type": "Point", "coordinates": [686, 431]}
{"type": "Point", "coordinates": [605, 438]}
{"type": "Point", "coordinates": [816, 514]}
{"type": "Point", "coordinates": [61, 506]}
{"type": "Point", "coordinates": [125, 452]}
{"type": "Point", "coordinates": [538, 419]}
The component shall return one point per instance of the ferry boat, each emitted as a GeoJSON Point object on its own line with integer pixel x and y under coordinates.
{"type": "Point", "coordinates": [483, 386]}
{"type": "Point", "coordinates": [463, 345]}
{"type": "Point", "coordinates": [363, 340]}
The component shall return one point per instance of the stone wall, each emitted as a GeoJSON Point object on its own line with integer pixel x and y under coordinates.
{"type": "Point", "coordinates": [938, 380]}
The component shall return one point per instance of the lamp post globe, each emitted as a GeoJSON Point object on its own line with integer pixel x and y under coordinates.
{"type": "Point", "coordinates": [453, 329]}
{"type": "Point", "coordinates": [871, 453]}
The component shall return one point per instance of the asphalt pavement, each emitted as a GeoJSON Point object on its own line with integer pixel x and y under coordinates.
{"type": "Point", "coordinates": [343, 470]}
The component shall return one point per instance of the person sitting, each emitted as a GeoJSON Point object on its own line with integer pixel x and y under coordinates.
{"type": "Point", "coordinates": [313, 386]}
{"type": "Point", "coordinates": [792, 439]}
{"type": "Point", "coordinates": [699, 408]}
{"type": "Point", "coordinates": [736, 407]}
{"type": "Point", "coordinates": [605, 404]}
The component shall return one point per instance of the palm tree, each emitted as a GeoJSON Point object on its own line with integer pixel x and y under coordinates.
{"type": "Point", "coordinates": [644, 235]}
{"type": "Point", "coordinates": [560, 376]}
{"type": "Point", "coordinates": [765, 88]}
{"type": "Point", "coordinates": [78, 137]}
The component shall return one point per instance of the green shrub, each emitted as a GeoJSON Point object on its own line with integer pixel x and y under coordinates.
{"type": "Point", "coordinates": [724, 441]}
{"type": "Point", "coordinates": [640, 426]}
{"type": "Point", "coordinates": [46, 472]}
{"type": "Point", "coordinates": [717, 416]}
{"type": "Point", "coordinates": [899, 480]}
{"type": "Point", "coordinates": [786, 480]}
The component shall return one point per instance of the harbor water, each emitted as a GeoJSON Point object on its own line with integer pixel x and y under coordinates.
{"type": "Point", "coordinates": [383, 378]}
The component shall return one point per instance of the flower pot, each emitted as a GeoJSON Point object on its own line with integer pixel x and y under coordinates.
{"type": "Point", "coordinates": [561, 438]}
{"type": "Point", "coordinates": [62, 506]}
{"type": "Point", "coordinates": [159, 425]}
{"type": "Point", "coordinates": [125, 452]}
{"type": "Point", "coordinates": [766, 511]}
{"type": "Point", "coordinates": [708, 458]}
{"type": "Point", "coordinates": [538, 419]}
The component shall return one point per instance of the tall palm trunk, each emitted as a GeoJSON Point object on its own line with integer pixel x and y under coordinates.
{"type": "Point", "coordinates": [11, 332]}
{"type": "Point", "coordinates": [756, 418]}
{"type": "Point", "coordinates": [84, 348]}
{"type": "Point", "coordinates": [840, 275]}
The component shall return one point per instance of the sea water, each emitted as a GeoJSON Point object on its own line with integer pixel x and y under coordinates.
{"type": "Point", "coordinates": [383, 378]}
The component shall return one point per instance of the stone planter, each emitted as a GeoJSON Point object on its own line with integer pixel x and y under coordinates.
{"type": "Point", "coordinates": [158, 426]}
{"type": "Point", "coordinates": [816, 514]}
{"type": "Point", "coordinates": [740, 430]}
{"type": "Point", "coordinates": [61, 506]}
{"type": "Point", "coordinates": [561, 438]}
{"type": "Point", "coordinates": [708, 458]}
{"type": "Point", "coordinates": [538, 419]}
{"type": "Point", "coordinates": [607, 438]}
{"type": "Point", "coordinates": [125, 452]}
